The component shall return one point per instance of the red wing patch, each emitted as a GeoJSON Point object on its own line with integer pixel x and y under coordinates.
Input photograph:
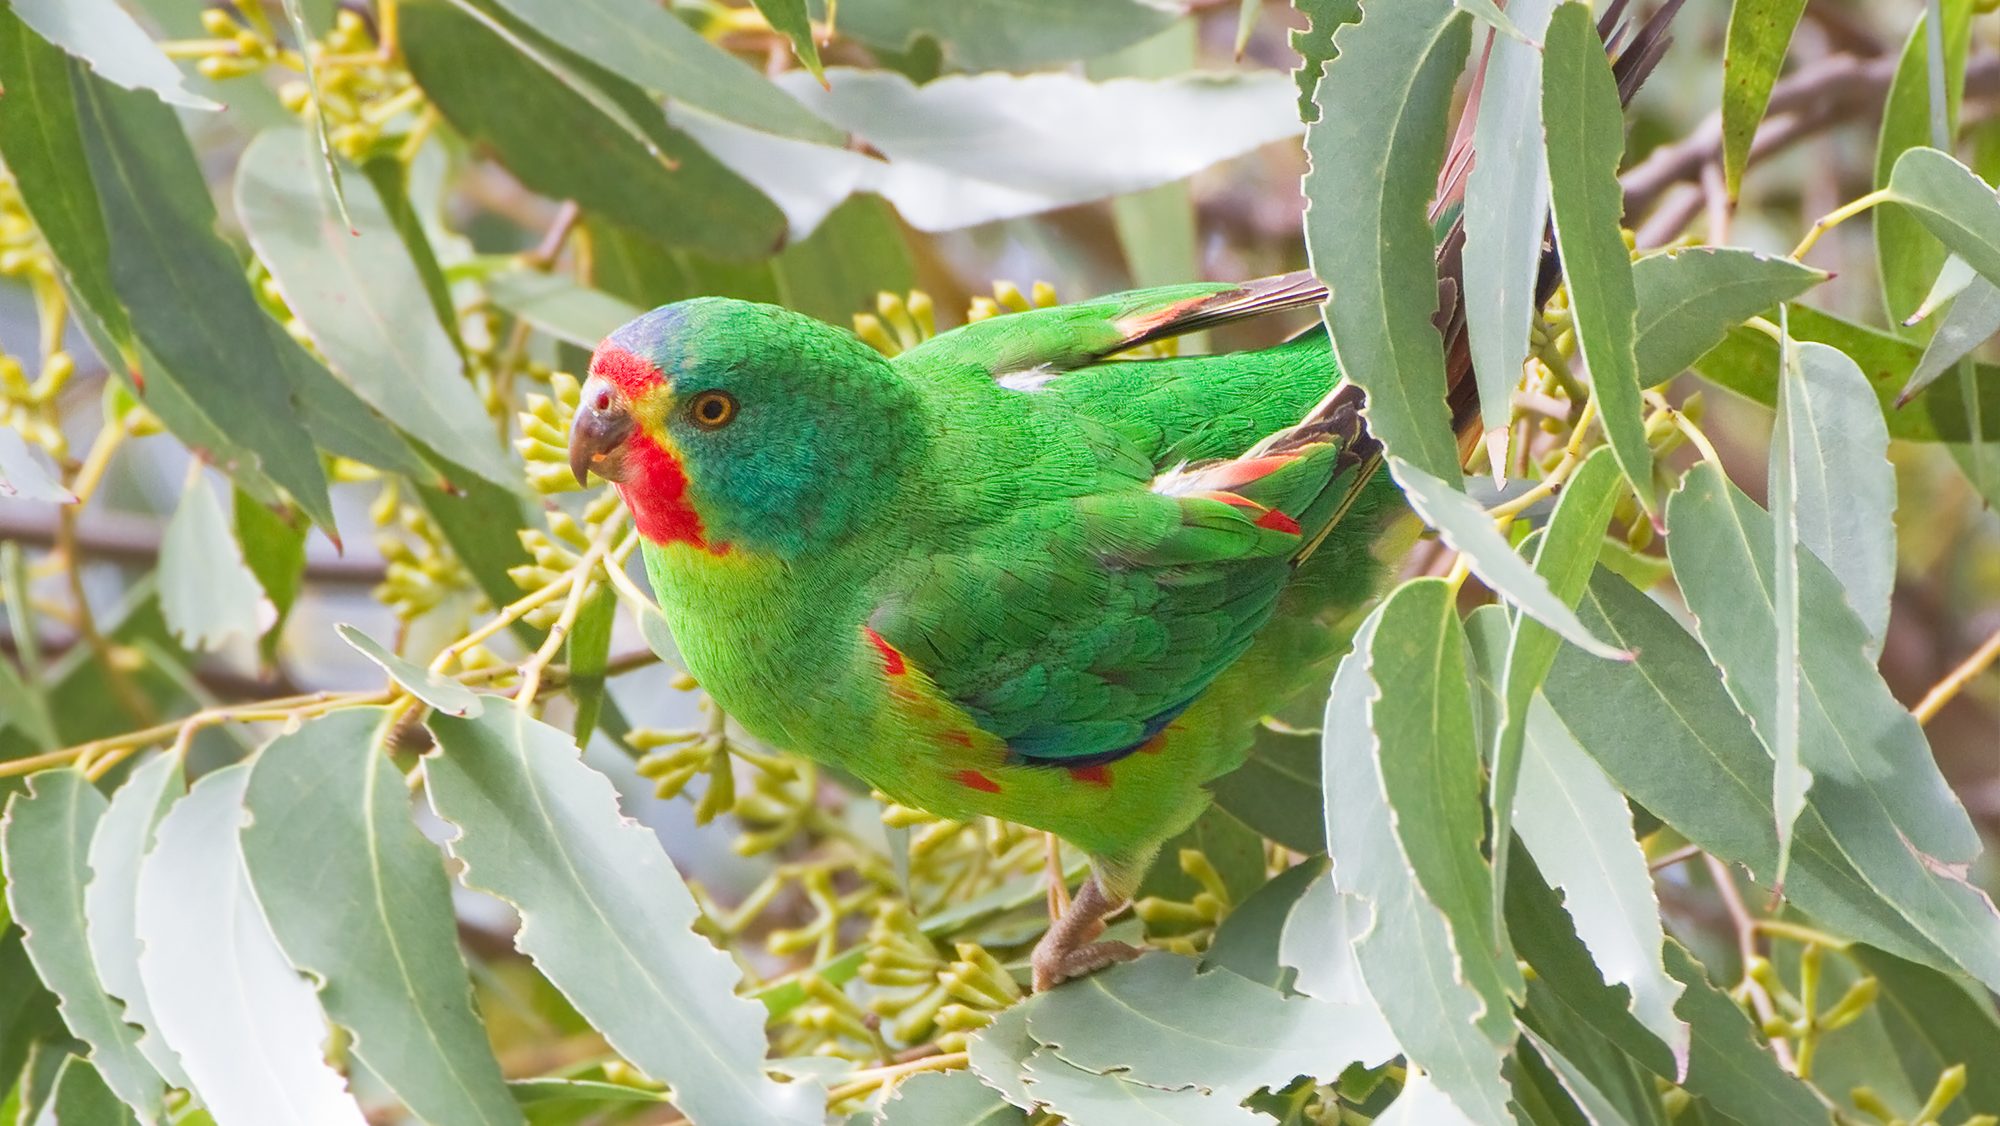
{"type": "Point", "coordinates": [972, 779]}
{"type": "Point", "coordinates": [892, 660]}
{"type": "Point", "coordinates": [1276, 521]}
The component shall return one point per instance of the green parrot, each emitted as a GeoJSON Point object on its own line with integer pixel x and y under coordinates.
{"type": "Point", "coordinates": [1007, 572]}
{"type": "Point", "coordinates": [1004, 573]}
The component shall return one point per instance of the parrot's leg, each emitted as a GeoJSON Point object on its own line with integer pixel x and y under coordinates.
{"type": "Point", "coordinates": [1067, 950]}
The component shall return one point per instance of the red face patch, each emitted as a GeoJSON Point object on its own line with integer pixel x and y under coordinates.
{"type": "Point", "coordinates": [632, 374]}
{"type": "Point", "coordinates": [655, 489]}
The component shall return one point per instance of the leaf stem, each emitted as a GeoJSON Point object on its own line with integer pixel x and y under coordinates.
{"type": "Point", "coordinates": [1838, 216]}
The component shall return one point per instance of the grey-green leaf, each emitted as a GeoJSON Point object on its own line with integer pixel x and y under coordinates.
{"type": "Point", "coordinates": [559, 306]}
{"type": "Point", "coordinates": [1907, 259]}
{"type": "Point", "coordinates": [207, 592]}
{"type": "Point", "coordinates": [1791, 778]}
{"type": "Point", "coordinates": [1466, 527]}
{"type": "Point", "coordinates": [1578, 828]}
{"type": "Point", "coordinates": [45, 841]}
{"type": "Point", "coordinates": [245, 1025]}
{"type": "Point", "coordinates": [1953, 204]}
{"type": "Point", "coordinates": [650, 46]}
{"type": "Point", "coordinates": [1846, 486]}
{"type": "Point", "coordinates": [1375, 161]}
{"type": "Point", "coordinates": [1875, 780]}
{"type": "Point", "coordinates": [83, 1097]}
{"type": "Point", "coordinates": [1760, 31]}
{"type": "Point", "coordinates": [1085, 1098]}
{"type": "Point", "coordinates": [951, 1096]}
{"type": "Point", "coordinates": [1006, 34]}
{"type": "Point", "coordinates": [1973, 320]}
{"type": "Point", "coordinates": [1689, 299]}
{"type": "Point", "coordinates": [998, 1052]}
{"type": "Point", "coordinates": [1403, 944]}
{"type": "Point", "coordinates": [1159, 1022]}
{"type": "Point", "coordinates": [1506, 215]}
{"type": "Point", "coordinates": [112, 43]}
{"type": "Point", "coordinates": [111, 900]}
{"type": "Point", "coordinates": [23, 476]}
{"type": "Point", "coordinates": [604, 914]}
{"type": "Point", "coordinates": [1563, 562]}
{"type": "Point", "coordinates": [357, 292]}
{"type": "Point", "coordinates": [442, 693]}
{"type": "Point", "coordinates": [1585, 123]}
{"type": "Point", "coordinates": [789, 19]}
{"type": "Point", "coordinates": [358, 899]}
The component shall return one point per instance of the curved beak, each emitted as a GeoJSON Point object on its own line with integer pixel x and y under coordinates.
{"type": "Point", "coordinates": [597, 437]}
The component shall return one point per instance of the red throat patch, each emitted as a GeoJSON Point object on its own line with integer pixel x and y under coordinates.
{"type": "Point", "coordinates": [655, 489]}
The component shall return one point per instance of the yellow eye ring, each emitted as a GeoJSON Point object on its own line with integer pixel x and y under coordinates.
{"type": "Point", "coordinates": [712, 410]}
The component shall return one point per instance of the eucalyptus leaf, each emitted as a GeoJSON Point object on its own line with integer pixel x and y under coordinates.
{"type": "Point", "coordinates": [790, 19]}
{"type": "Point", "coordinates": [440, 692]}
{"type": "Point", "coordinates": [246, 1027]}
{"type": "Point", "coordinates": [1248, 941]}
{"type": "Point", "coordinates": [111, 900]}
{"type": "Point", "coordinates": [1046, 141]}
{"type": "Point", "coordinates": [650, 46]}
{"type": "Point", "coordinates": [206, 590]}
{"type": "Point", "coordinates": [1276, 790]}
{"type": "Point", "coordinates": [1585, 123]}
{"type": "Point", "coordinates": [82, 1096]}
{"type": "Point", "coordinates": [1578, 828]}
{"type": "Point", "coordinates": [1846, 486]}
{"type": "Point", "coordinates": [23, 476]}
{"type": "Point", "coordinates": [604, 915]}
{"type": "Point", "coordinates": [998, 1053]}
{"type": "Point", "coordinates": [1448, 1020]}
{"type": "Point", "coordinates": [1907, 258]}
{"type": "Point", "coordinates": [1006, 34]}
{"type": "Point", "coordinates": [1780, 724]}
{"type": "Point", "coordinates": [1375, 161]}
{"type": "Point", "coordinates": [1690, 298]}
{"type": "Point", "coordinates": [329, 823]}
{"type": "Point", "coordinates": [353, 286]}
{"type": "Point", "coordinates": [1563, 562]}
{"type": "Point", "coordinates": [1160, 1022]}
{"type": "Point", "coordinates": [44, 841]}
{"type": "Point", "coordinates": [1318, 943]}
{"type": "Point", "coordinates": [1974, 318]}
{"type": "Point", "coordinates": [1421, 1103]}
{"type": "Point", "coordinates": [1466, 527]}
{"type": "Point", "coordinates": [1875, 780]}
{"type": "Point", "coordinates": [1953, 204]}
{"type": "Point", "coordinates": [112, 43]}
{"type": "Point", "coordinates": [1085, 1098]}
{"type": "Point", "coordinates": [1315, 46]}
{"type": "Point", "coordinates": [1760, 31]}
{"type": "Point", "coordinates": [1506, 215]}
{"type": "Point", "coordinates": [559, 306]}
{"type": "Point", "coordinates": [948, 1096]}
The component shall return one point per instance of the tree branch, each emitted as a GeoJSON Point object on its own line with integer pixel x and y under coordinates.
{"type": "Point", "coordinates": [129, 538]}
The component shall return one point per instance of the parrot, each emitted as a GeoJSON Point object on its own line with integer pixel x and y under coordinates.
{"type": "Point", "coordinates": [1012, 571]}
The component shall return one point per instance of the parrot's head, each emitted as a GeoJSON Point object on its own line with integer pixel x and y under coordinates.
{"type": "Point", "coordinates": [726, 424]}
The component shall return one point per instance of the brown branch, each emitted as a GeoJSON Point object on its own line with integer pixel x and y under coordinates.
{"type": "Point", "coordinates": [1818, 96]}
{"type": "Point", "coordinates": [129, 538]}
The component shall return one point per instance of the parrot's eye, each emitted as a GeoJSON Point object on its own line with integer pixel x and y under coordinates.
{"type": "Point", "coordinates": [712, 410]}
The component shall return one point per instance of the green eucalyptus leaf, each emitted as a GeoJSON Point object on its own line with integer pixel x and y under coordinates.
{"type": "Point", "coordinates": [1375, 161]}
{"type": "Point", "coordinates": [440, 692]}
{"type": "Point", "coordinates": [649, 46]}
{"type": "Point", "coordinates": [23, 476]}
{"type": "Point", "coordinates": [82, 1096]}
{"type": "Point", "coordinates": [1085, 1098]}
{"type": "Point", "coordinates": [1974, 318]}
{"type": "Point", "coordinates": [112, 44]}
{"type": "Point", "coordinates": [531, 1092]}
{"type": "Point", "coordinates": [246, 1026]}
{"type": "Point", "coordinates": [949, 1096]}
{"type": "Point", "coordinates": [1248, 942]}
{"type": "Point", "coordinates": [1935, 1021]}
{"type": "Point", "coordinates": [998, 1053]}
{"type": "Point", "coordinates": [1585, 123]}
{"type": "Point", "coordinates": [1315, 46]}
{"type": "Point", "coordinates": [45, 841]}
{"type": "Point", "coordinates": [1689, 299]}
{"type": "Point", "coordinates": [1438, 988]}
{"type": "Point", "coordinates": [1318, 942]}
{"type": "Point", "coordinates": [1161, 1022]}
{"type": "Point", "coordinates": [589, 651]}
{"type": "Point", "coordinates": [1780, 725]}
{"type": "Point", "coordinates": [572, 130]}
{"type": "Point", "coordinates": [1846, 501]}
{"type": "Point", "coordinates": [1760, 31]}
{"type": "Point", "coordinates": [1874, 778]}
{"type": "Point", "coordinates": [329, 823]}
{"type": "Point", "coordinates": [111, 900]}
{"type": "Point", "coordinates": [559, 306]}
{"type": "Point", "coordinates": [1006, 34]}
{"type": "Point", "coordinates": [1907, 258]}
{"type": "Point", "coordinates": [1276, 790]}
{"type": "Point", "coordinates": [604, 915]}
{"type": "Point", "coordinates": [207, 591]}
{"type": "Point", "coordinates": [790, 19]}
{"type": "Point", "coordinates": [1506, 216]}
{"type": "Point", "coordinates": [353, 286]}
{"type": "Point", "coordinates": [1702, 770]}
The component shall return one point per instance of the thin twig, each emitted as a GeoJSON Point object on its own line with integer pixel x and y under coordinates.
{"type": "Point", "coordinates": [1946, 690]}
{"type": "Point", "coordinates": [1746, 946]}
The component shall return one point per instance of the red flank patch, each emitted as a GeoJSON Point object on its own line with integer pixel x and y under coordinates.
{"type": "Point", "coordinates": [892, 661]}
{"type": "Point", "coordinates": [977, 781]}
{"type": "Point", "coordinates": [1097, 774]}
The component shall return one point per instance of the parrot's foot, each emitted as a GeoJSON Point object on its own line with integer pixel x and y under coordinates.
{"type": "Point", "coordinates": [1067, 950]}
